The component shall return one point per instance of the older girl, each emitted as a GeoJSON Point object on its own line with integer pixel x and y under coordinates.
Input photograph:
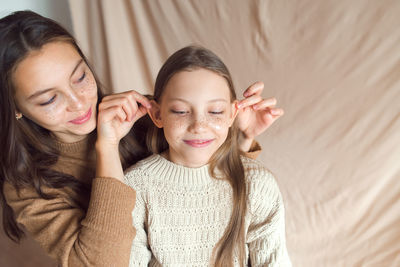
{"type": "Point", "coordinates": [199, 202]}
{"type": "Point", "coordinates": [60, 179]}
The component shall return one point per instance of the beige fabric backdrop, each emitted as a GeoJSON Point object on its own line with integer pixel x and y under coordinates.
{"type": "Point", "coordinates": [333, 65]}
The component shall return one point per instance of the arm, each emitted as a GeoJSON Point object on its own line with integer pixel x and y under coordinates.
{"type": "Point", "coordinates": [266, 233]}
{"type": "Point", "coordinates": [117, 114]}
{"type": "Point", "coordinates": [102, 236]}
{"type": "Point", "coordinates": [140, 251]}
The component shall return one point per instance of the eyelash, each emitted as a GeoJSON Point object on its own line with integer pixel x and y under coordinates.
{"type": "Point", "coordinates": [178, 112]}
{"type": "Point", "coordinates": [48, 102]}
{"type": "Point", "coordinates": [82, 77]}
{"type": "Point", "coordinates": [184, 112]}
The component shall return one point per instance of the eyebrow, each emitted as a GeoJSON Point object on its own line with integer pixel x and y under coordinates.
{"type": "Point", "coordinates": [49, 89]}
{"type": "Point", "coordinates": [210, 101]}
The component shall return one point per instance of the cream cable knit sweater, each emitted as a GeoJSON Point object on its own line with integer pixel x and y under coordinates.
{"type": "Point", "coordinates": [181, 213]}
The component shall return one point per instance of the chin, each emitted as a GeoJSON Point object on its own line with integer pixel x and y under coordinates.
{"type": "Point", "coordinates": [86, 129]}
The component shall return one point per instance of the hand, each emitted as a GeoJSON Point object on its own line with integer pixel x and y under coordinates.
{"type": "Point", "coordinates": [255, 114]}
{"type": "Point", "coordinates": [117, 114]}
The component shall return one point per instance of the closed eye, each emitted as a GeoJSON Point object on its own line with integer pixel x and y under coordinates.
{"type": "Point", "coordinates": [48, 102]}
{"type": "Point", "coordinates": [82, 77]}
{"type": "Point", "coordinates": [180, 112]}
{"type": "Point", "coordinates": [216, 112]}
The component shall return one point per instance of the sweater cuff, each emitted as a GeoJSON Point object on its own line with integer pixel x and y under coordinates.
{"type": "Point", "coordinates": [110, 208]}
{"type": "Point", "coordinates": [254, 151]}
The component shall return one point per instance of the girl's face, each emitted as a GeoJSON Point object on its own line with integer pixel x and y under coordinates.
{"type": "Point", "coordinates": [195, 113]}
{"type": "Point", "coordinates": [56, 89]}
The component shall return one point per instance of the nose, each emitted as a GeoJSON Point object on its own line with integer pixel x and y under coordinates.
{"type": "Point", "coordinates": [75, 101]}
{"type": "Point", "coordinates": [198, 125]}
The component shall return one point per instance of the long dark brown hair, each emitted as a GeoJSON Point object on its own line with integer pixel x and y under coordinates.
{"type": "Point", "coordinates": [28, 150]}
{"type": "Point", "coordinates": [226, 158]}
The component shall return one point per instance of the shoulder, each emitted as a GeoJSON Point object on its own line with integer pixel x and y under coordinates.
{"type": "Point", "coordinates": [137, 176]}
{"type": "Point", "coordinates": [262, 188]}
{"type": "Point", "coordinates": [255, 171]}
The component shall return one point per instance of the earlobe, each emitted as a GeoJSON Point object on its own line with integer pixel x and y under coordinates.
{"type": "Point", "coordinates": [154, 113]}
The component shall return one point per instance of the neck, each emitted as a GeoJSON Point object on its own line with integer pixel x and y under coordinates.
{"type": "Point", "coordinates": [68, 139]}
{"type": "Point", "coordinates": [181, 160]}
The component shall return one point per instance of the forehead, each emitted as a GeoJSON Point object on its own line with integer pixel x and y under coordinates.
{"type": "Point", "coordinates": [46, 67]}
{"type": "Point", "coordinates": [197, 86]}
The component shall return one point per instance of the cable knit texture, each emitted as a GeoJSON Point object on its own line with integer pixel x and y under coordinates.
{"type": "Point", "coordinates": [181, 213]}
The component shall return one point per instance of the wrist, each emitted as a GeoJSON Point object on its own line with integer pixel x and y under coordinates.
{"type": "Point", "coordinates": [106, 147]}
{"type": "Point", "coordinates": [108, 161]}
{"type": "Point", "coordinates": [245, 142]}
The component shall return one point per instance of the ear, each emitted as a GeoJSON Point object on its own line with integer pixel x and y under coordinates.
{"type": "Point", "coordinates": [234, 112]}
{"type": "Point", "coordinates": [155, 114]}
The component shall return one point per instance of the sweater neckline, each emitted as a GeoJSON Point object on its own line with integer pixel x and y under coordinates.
{"type": "Point", "coordinates": [74, 148]}
{"type": "Point", "coordinates": [167, 170]}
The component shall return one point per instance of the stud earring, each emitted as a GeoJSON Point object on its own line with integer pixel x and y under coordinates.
{"type": "Point", "coordinates": [18, 116]}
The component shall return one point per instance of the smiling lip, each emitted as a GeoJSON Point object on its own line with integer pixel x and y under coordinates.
{"type": "Point", "coordinates": [83, 119]}
{"type": "Point", "coordinates": [198, 142]}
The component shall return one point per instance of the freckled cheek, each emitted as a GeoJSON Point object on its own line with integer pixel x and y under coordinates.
{"type": "Point", "coordinates": [53, 115]}
{"type": "Point", "coordinates": [89, 88]}
{"type": "Point", "coordinates": [218, 124]}
{"type": "Point", "coordinates": [175, 127]}
{"type": "Point", "coordinates": [175, 123]}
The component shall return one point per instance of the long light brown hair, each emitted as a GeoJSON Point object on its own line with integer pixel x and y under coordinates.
{"type": "Point", "coordinates": [226, 158]}
{"type": "Point", "coordinates": [28, 150]}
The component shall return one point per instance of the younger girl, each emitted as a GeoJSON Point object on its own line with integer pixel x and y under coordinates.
{"type": "Point", "coordinates": [199, 202]}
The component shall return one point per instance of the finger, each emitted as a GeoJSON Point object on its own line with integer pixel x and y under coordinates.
{"type": "Point", "coordinates": [115, 112]}
{"type": "Point", "coordinates": [277, 111]}
{"type": "Point", "coordinates": [130, 109]}
{"type": "Point", "coordinates": [249, 101]}
{"type": "Point", "coordinates": [121, 103]}
{"type": "Point", "coordinates": [115, 101]}
{"type": "Point", "coordinates": [141, 112]}
{"type": "Point", "coordinates": [137, 97]}
{"type": "Point", "coordinates": [265, 103]}
{"type": "Point", "coordinates": [255, 88]}
{"type": "Point", "coordinates": [272, 114]}
{"type": "Point", "coordinates": [128, 104]}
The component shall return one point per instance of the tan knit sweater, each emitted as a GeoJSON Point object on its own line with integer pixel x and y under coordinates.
{"type": "Point", "coordinates": [181, 213]}
{"type": "Point", "coordinates": [100, 235]}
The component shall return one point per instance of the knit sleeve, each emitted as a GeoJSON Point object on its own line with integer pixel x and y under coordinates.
{"type": "Point", "coordinates": [266, 234]}
{"type": "Point", "coordinates": [254, 151]}
{"type": "Point", "coordinates": [140, 252]}
{"type": "Point", "coordinates": [102, 236]}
